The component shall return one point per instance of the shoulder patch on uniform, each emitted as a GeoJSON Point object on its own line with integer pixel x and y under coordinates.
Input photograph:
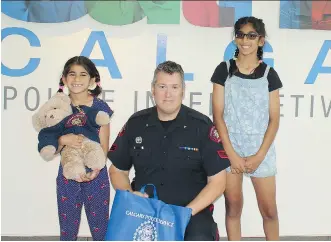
{"type": "Point", "coordinates": [222, 154]}
{"type": "Point", "coordinates": [113, 148]}
{"type": "Point", "coordinates": [213, 134]}
{"type": "Point", "coordinates": [122, 131]}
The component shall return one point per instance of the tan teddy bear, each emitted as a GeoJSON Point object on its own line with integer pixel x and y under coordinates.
{"type": "Point", "coordinates": [56, 118]}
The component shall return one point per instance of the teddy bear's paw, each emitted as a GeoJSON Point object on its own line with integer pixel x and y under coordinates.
{"type": "Point", "coordinates": [102, 118]}
{"type": "Point", "coordinates": [95, 159]}
{"type": "Point", "coordinates": [48, 152]}
{"type": "Point", "coordinates": [92, 174]}
{"type": "Point", "coordinates": [73, 171]}
{"type": "Point", "coordinates": [78, 178]}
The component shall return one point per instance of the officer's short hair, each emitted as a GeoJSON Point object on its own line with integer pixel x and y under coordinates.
{"type": "Point", "coordinates": [169, 67]}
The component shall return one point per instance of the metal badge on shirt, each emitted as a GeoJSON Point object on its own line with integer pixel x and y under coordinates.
{"type": "Point", "coordinates": [138, 140]}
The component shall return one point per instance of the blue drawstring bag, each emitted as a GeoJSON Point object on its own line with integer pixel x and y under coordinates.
{"type": "Point", "coordinates": [135, 218]}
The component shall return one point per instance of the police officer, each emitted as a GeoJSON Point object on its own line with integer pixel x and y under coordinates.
{"type": "Point", "coordinates": [175, 148]}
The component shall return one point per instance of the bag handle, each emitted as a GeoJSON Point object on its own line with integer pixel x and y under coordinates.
{"type": "Point", "coordinates": [142, 190]}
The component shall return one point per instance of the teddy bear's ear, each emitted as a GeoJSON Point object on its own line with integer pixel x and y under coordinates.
{"type": "Point", "coordinates": [62, 101]}
{"type": "Point", "coordinates": [38, 122]}
{"type": "Point", "coordinates": [64, 97]}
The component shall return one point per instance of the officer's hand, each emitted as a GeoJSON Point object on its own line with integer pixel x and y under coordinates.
{"type": "Point", "coordinates": [237, 164]}
{"type": "Point", "coordinates": [141, 194]}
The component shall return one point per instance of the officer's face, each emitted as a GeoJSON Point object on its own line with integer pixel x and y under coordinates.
{"type": "Point", "coordinates": [168, 92]}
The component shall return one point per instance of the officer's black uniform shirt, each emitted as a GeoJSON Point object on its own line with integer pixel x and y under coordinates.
{"type": "Point", "coordinates": [177, 159]}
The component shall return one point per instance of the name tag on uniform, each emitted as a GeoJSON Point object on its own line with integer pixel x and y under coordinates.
{"type": "Point", "coordinates": [138, 147]}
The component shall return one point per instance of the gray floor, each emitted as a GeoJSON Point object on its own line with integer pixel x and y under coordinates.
{"type": "Point", "coordinates": [54, 238]}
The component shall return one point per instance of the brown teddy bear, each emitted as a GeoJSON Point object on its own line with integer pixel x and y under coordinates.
{"type": "Point", "coordinates": [56, 118]}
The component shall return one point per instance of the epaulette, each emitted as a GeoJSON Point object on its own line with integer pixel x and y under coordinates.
{"type": "Point", "coordinates": [141, 113]}
{"type": "Point", "coordinates": [197, 115]}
